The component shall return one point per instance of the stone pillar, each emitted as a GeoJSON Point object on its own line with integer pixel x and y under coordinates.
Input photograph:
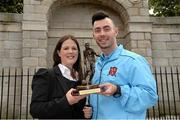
{"type": "Point", "coordinates": [140, 29]}
{"type": "Point", "coordinates": [34, 27]}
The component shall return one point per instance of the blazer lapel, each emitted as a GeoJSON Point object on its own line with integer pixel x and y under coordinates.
{"type": "Point", "coordinates": [59, 76]}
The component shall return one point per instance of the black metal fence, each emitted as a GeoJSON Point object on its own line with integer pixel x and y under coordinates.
{"type": "Point", "coordinates": [168, 88]}
{"type": "Point", "coordinates": [15, 93]}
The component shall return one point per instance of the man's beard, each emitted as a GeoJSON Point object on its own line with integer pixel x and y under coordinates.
{"type": "Point", "coordinates": [103, 47]}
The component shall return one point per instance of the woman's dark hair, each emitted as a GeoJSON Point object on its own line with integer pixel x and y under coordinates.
{"type": "Point", "coordinates": [77, 66]}
{"type": "Point", "coordinates": [99, 15]}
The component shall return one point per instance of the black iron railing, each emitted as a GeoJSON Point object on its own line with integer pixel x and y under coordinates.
{"type": "Point", "coordinates": [168, 88]}
{"type": "Point", "coordinates": [15, 93]}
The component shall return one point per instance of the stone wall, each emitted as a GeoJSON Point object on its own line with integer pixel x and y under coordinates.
{"type": "Point", "coordinates": [10, 40]}
{"type": "Point", "coordinates": [166, 41]}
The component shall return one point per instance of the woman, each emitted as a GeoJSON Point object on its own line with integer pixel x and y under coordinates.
{"type": "Point", "coordinates": [52, 88]}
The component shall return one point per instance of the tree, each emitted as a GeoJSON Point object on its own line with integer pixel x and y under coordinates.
{"type": "Point", "coordinates": [11, 6]}
{"type": "Point", "coordinates": [165, 7]}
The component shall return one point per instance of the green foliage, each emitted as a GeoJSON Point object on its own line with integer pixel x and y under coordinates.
{"type": "Point", "coordinates": [11, 6]}
{"type": "Point", "coordinates": [165, 7]}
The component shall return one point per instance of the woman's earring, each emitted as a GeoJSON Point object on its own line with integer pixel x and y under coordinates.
{"type": "Point", "coordinates": [58, 53]}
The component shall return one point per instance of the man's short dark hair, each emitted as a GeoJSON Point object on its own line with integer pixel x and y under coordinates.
{"type": "Point", "coordinates": [99, 16]}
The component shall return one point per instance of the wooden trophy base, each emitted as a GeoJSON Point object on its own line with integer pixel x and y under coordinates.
{"type": "Point", "coordinates": [86, 89]}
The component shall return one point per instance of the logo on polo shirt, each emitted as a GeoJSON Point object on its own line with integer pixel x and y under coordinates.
{"type": "Point", "coordinates": [112, 71]}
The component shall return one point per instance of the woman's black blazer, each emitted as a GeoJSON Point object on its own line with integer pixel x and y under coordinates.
{"type": "Point", "coordinates": [49, 100]}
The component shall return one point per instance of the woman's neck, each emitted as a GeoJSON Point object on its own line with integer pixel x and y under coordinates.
{"type": "Point", "coordinates": [69, 67]}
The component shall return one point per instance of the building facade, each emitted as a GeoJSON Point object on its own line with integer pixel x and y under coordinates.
{"type": "Point", "coordinates": [27, 40]}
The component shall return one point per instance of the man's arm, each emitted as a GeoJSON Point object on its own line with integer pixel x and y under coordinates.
{"type": "Point", "coordinates": [141, 93]}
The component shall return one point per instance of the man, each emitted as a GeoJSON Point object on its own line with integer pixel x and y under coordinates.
{"type": "Point", "coordinates": [89, 59]}
{"type": "Point", "coordinates": [129, 88]}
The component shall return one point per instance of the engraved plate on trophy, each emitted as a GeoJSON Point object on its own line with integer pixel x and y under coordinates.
{"type": "Point", "coordinates": [87, 88]}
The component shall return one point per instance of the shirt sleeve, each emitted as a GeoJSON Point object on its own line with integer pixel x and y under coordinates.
{"type": "Point", "coordinates": [141, 93]}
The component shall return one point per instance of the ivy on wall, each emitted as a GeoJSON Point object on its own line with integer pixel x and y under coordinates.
{"type": "Point", "coordinates": [11, 6]}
